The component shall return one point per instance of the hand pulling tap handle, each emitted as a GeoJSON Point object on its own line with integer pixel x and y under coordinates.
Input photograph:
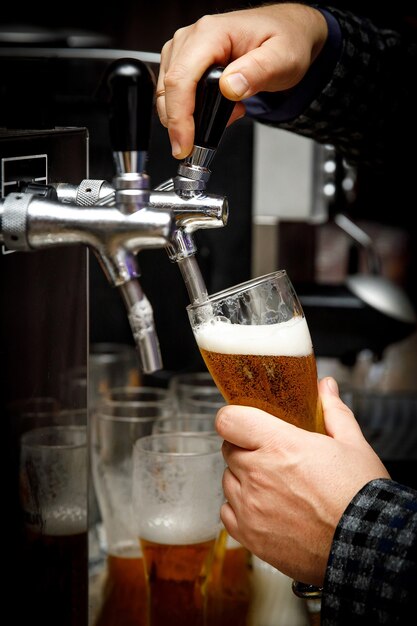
{"type": "Point", "coordinates": [132, 90]}
{"type": "Point", "coordinates": [211, 114]}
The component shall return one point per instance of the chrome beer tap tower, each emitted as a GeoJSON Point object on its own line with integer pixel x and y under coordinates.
{"type": "Point", "coordinates": [119, 219]}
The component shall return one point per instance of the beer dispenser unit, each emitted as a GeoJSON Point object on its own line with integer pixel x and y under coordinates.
{"type": "Point", "coordinates": [116, 223]}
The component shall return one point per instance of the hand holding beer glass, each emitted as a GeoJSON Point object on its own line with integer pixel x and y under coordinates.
{"type": "Point", "coordinates": [177, 495]}
{"type": "Point", "coordinates": [256, 344]}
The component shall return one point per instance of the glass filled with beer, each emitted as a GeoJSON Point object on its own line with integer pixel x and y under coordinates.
{"type": "Point", "coordinates": [116, 424]}
{"type": "Point", "coordinates": [177, 495]}
{"type": "Point", "coordinates": [229, 587]}
{"type": "Point", "coordinates": [53, 497]}
{"type": "Point", "coordinates": [256, 344]}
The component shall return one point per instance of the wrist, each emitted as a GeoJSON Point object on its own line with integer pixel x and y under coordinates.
{"type": "Point", "coordinates": [320, 30]}
{"type": "Point", "coordinates": [312, 22]}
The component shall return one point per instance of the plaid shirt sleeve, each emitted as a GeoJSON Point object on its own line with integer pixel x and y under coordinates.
{"type": "Point", "coordinates": [371, 575]}
{"type": "Point", "coordinates": [369, 101]}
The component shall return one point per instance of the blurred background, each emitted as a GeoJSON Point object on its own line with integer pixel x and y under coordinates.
{"type": "Point", "coordinates": [294, 204]}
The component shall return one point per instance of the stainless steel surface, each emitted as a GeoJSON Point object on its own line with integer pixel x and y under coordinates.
{"type": "Point", "coordinates": [112, 234]}
{"type": "Point", "coordinates": [373, 288]}
{"type": "Point", "coordinates": [193, 279]}
{"type": "Point", "coordinates": [200, 157]}
{"type": "Point", "coordinates": [383, 295]}
{"type": "Point", "coordinates": [116, 236]}
{"type": "Point", "coordinates": [197, 212]}
{"type": "Point", "coordinates": [130, 161]}
{"type": "Point", "coordinates": [140, 315]}
{"type": "Point", "coordinates": [359, 236]}
{"type": "Point", "coordinates": [112, 54]}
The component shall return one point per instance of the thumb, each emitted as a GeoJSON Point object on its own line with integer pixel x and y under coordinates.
{"type": "Point", "coordinates": [339, 420]}
{"type": "Point", "coordinates": [263, 69]}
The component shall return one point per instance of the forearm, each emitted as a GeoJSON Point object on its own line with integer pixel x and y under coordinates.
{"type": "Point", "coordinates": [371, 575]}
{"type": "Point", "coordinates": [368, 104]}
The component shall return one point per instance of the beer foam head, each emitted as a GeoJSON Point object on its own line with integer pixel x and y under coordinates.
{"type": "Point", "coordinates": [178, 528]}
{"type": "Point", "coordinates": [291, 338]}
{"type": "Point", "coordinates": [64, 520]}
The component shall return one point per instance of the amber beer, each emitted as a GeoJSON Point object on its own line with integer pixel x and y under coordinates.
{"type": "Point", "coordinates": [177, 575]}
{"type": "Point", "coordinates": [177, 496]}
{"type": "Point", "coordinates": [53, 498]}
{"type": "Point", "coordinates": [230, 588]}
{"type": "Point", "coordinates": [124, 592]}
{"type": "Point", "coordinates": [271, 367]}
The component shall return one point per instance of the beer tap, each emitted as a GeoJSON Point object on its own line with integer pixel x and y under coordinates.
{"type": "Point", "coordinates": [185, 194]}
{"type": "Point", "coordinates": [115, 233]}
{"type": "Point", "coordinates": [211, 114]}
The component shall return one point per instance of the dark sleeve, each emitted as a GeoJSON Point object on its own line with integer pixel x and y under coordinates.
{"type": "Point", "coordinates": [367, 108]}
{"type": "Point", "coordinates": [371, 576]}
{"type": "Point", "coordinates": [283, 106]}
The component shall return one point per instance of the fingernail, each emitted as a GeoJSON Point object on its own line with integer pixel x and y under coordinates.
{"type": "Point", "coordinates": [332, 385]}
{"type": "Point", "coordinates": [238, 84]}
{"type": "Point", "coordinates": [176, 149]}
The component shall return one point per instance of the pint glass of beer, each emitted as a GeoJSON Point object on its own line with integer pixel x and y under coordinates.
{"type": "Point", "coordinates": [177, 495]}
{"type": "Point", "coordinates": [115, 426]}
{"type": "Point", "coordinates": [53, 496]}
{"type": "Point", "coordinates": [256, 344]}
{"type": "Point", "coordinates": [229, 588]}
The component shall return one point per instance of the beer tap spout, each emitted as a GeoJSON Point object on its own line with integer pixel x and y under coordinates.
{"type": "Point", "coordinates": [211, 114]}
{"type": "Point", "coordinates": [28, 222]}
{"type": "Point", "coordinates": [140, 315]}
{"type": "Point", "coordinates": [131, 86]}
{"type": "Point", "coordinates": [193, 279]}
{"type": "Point", "coordinates": [185, 194]}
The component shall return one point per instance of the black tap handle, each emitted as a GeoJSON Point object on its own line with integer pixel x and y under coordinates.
{"type": "Point", "coordinates": [132, 92]}
{"type": "Point", "coordinates": [212, 109]}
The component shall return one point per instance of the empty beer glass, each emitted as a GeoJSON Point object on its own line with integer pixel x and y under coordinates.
{"type": "Point", "coordinates": [115, 426]}
{"type": "Point", "coordinates": [256, 344]}
{"type": "Point", "coordinates": [181, 385]}
{"type": "Point", "coordinates": [111, 365]}
{"type": "Point", "coordinates": [177, 495]}
{"type": "Point", "coordinates": [53, 496]}
{"type": "Point", "coordinates": [187, 422]}
{"type": "Point", "coordinates": [155, 395]}
{"type": "Point", "coordinates": [208, 400]}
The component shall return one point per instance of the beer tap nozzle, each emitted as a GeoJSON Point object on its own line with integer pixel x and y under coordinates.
{"type": "Point", "coordinates": [193, 208]}
{"type": "Point", "coordinates": [117, 229]}
{"type": "Point", "coordinates": [132, 90]}
{"type": "Point", "coordinates": [29, 222]}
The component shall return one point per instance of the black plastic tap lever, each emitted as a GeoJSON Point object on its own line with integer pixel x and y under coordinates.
{"type": "Point", "coordinates": [212, 109]}
{"type": "Point", "coordinates": [132, 91]}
